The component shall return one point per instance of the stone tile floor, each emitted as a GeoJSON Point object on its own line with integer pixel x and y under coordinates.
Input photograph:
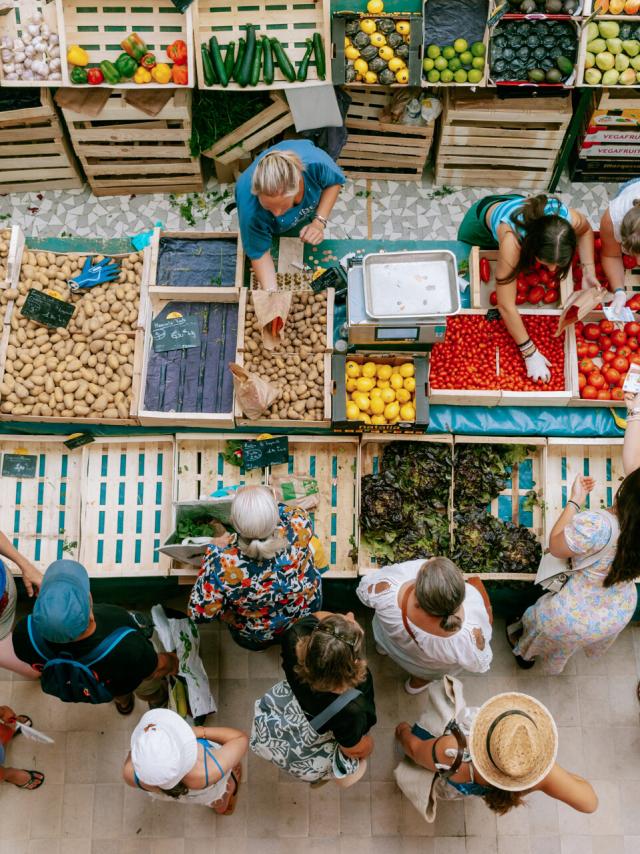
{"type": "Point", "coordinates": [84, 808]}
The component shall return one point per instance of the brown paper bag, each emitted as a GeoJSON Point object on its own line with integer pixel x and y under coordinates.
{"type": "Point", "coordinates": [91, 102]}
{"type": "Point", "coordinates": [579, 304]}
{"type": "Point", "coordinates": [254, 395]}
{"type": "Point", "coordinates": [272, 309]}
{"type": "Point", "coordinates": [149, 101]}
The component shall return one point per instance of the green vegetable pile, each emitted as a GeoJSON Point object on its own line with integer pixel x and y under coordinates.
{"type": "Point", "coordinates": [198, 526]}
{"type": "Point", "coordinates": [486, 544]}
{"type": "Point", "coordinates": [216, 113]}
{"type": "Point", "coordinates": [485, 471]}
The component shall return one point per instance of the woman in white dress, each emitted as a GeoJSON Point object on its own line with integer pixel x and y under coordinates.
{"type": "Point", "coordinates": [428, 620]}
{"type": "Point", "coordinates": [620, 232]}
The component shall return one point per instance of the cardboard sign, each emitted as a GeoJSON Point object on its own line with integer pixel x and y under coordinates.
{"type": "Point", "coordinates": [260, 453]}
{"type": "Point", "coordinates": [19, 465]}
{"type": "Point", "coordinates": [625, 316]}
{"type": "Point", "coordinates": [77, 440]}
{"type": "Point", "coordinates": [179, 333]}
{"type": "Point", "coordinates": [47, 310]}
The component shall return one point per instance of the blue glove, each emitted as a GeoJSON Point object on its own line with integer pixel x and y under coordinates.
{"type": "Point", "coordinates": [95, 274]}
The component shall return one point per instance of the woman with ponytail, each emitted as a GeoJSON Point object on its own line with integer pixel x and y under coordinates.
{"type": "Point", "coordinates": [524, 231]}
{"type": "Point", "coordinates": [428, 620]}
{"type": "Point", "coordinates": [291, 184]}
{"type": "Point", "coordinates": [266, 576]}
{"type": "Point", "coordinates": [620, 233]}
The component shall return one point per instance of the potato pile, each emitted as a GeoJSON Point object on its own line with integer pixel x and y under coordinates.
{"type": "Point", "coordinates": [5, 238]}
{"type": "Point", "coordinates": [297, 367]}
{"type": "Point", "coordinates": [289, 281]}
{"type": "Point", "coordinates": [85, 370]}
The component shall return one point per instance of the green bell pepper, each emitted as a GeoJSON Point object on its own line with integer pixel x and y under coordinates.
{"type": "Point", "coordinates": [78, 75]}
{"type": "Point", "coordinates": [126, 65]}
{"type": "Point", "coordinates": [110, 72]}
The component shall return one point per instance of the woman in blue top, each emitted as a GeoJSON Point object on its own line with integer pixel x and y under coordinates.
{"type": "Point", "coordinates": [524, 231]}
{"type": "Point", "coordinates": [291, 183]}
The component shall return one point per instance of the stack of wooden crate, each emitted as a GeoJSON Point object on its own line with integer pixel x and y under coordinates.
{"type": "Point", "coordinates": [375, 149]}
{"type": "Point", "coordinates": [608, 147]}
{"type": "Point", "coordinates": [489, 142]}
{"type": "Point", "coordinates": [124, 150]}
{"type": "Point", "coordinates": [34, 153]}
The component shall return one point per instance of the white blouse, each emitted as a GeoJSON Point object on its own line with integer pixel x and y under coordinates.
{"type": "Point", "coordinates": [431, 650]}
{"type": "Point", "coordinates": [621, 204]}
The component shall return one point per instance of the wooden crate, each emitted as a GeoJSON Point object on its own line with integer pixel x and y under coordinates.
{"type": "Point", "coordinates": [290, 21]}
{"type": "Point", "coordinates": [565, 459]}
{"type": "Point", "coordinates": [126, 490]}
{"type": "Point", "coordinates": [153, 305]}
{"type": "Point", "coordinates": [34, 152]}
{"type": "Point", "coordinates": [488, 142]}
{"type": "Point", "coordinates": [13, 17]}
{"type": "Point", "coordinates": [41, 515]}
{"type": "Point", "coordinates": [380, 150]}
{"type": "Point", "coordinates": [582, 52]}
{"type": "Point", "coordinates": [481, 291]}
{"type": "Point", "coordinates": [125, 151]}
{"type": "Point", "coordinates": [99, 27]}
{"type": "Point", "coordinates": [161, 288]}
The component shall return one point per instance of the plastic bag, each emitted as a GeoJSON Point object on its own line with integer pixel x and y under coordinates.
{"type": "Point", "coordinates": [296, 490]}
{"type": "Point", "coordinates": [272, 309]}
{"type": "Point", "coordinates": [254, 395]}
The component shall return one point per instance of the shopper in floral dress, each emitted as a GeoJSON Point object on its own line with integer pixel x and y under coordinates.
{"type": "Point", "coordinates": [264, 578]}
{"type": "Point", "coordinates": [598, 599]}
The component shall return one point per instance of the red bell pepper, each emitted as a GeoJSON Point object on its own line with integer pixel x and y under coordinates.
{"type": "Point", "coordinates": [485, 270]}
{"type": "Point", "coordinates": [177, 52]}
{"type": "Point", "coordinates": [180, 75]}
{"type": "Point", "coordinates": [148, 61]}
{"type": "Point", "coordinates": [94, 76]}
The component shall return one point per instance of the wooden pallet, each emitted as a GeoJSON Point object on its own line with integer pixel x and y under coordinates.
{"type": "Point", "coordinates": [99, 27]}
{"type": "Point", "coordinates": [290, 21]}
{"type": "Point", "coordinates": [380, 150]}
{"type": "Point", "coordinates": [34, 152]}
{"type": "Point", "coordinates": [124, 151]}
{"type": "Point", "coordinates": [487, 142]}
{"type": "Point", "coordinates": [12, 25]}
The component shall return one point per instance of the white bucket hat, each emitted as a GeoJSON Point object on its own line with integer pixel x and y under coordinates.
{"type": "Point", "coordinates": [163, 748]}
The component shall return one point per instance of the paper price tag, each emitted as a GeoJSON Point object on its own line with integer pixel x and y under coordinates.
{"type": "Point", "coordinates": [625, 316]}
{"type": "Point", "coordinates": [632, 380]}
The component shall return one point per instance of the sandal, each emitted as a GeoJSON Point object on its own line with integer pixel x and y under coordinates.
{"type": "Point", "coordinates": [127, 708]}
{"type": "Point", "coordinates": [22, 719]}
{"type": "Point", "coordinates": [236, 776]}
{"type": "Point", "coordinates": [408, 687]}
{"type": "Point", "coordinates": [638, 692]}
{"type": "Point", "coordinates": [522, 663]}
{"type": "Point", "coordinates": [36, 779]}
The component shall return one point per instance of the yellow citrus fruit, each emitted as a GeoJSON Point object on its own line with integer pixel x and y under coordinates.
{"type": "Point", "coordinates": [378, 40]}
{"type": "Point", "coordinates": [410, 384]}
{"type": "Point", "coordinates": [368, 26]}
{"type": "Point", "coordinates": [378, 419]}
{"type": "Point", "coordinates": [391, 410]}
{"type": "Point", "coordinates": [403, 27]}
{"type": "Point", "coordinates": [351, 384]}
{"type": "Point", "coordinates": [396, 381]}
{"type": "Point", "coordinates": [369, 369]}
{"type": "Point", "coordinates": [384, 384]}
{"type": "Point", "coordinates": [364, 384]}
{"type": "Point", "coordinates": [377, 406]}
{"type": "Point", "coordinates": [364, 416]}
{"type": "Point", "coordinates": [402, 76]}
{"type": "Point", "coordinates": [375, 392]}
{"type": "Point", "coordinates": [388, 395]}
{"type": "Point", "coordinates": [395, 64]}
{"type": "Point", "coordinates": [362, 401]}
{"type": "Point", "coordinates": [403, 395]}
{"type": "Point", "coordinates": [407, 370]}
{"type": "Point", "coordinates": [407, 412]}
{"type": "Point", "coordinates": [353, 369]}
{"type": "Point", "coordinates": [352, 411]}
{"type": "Point", "coordinates": [352, 52]}
{"type": "Point", "coordinates": [375, 7]}
{"type": "Point", "coordinates": [383, 371]}
{"type": "Point", "coordinates": [360, 66]}
{"type": "Point", "coordinates": [370, 77]}
{"type": "Point", "coordinates": [347, 41]}
{"type": "Point", "coordinates": [386, 53]}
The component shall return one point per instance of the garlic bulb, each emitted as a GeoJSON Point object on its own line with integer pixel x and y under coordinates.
{"type": "Point", "coordinates": [8, 68]}
{"type": "Point", "coordinates": [26, 37]}
{"type": "Point", "coordinates": [40, 67]}
{"type": "Point", "coordinates": [55, 64]}
{"type": "Point", "coordinates": [55, 75]}
{"type": "Point", "coordinates": [29, 50]}
{"type": "Point", "coordinates": [34, 29]}
{"type": "Point", "coordinates": [20, 57]}
{"type": "Point", "coordinates": [54, 52]}
{"type": "Point", "coordinates": [54, 39]}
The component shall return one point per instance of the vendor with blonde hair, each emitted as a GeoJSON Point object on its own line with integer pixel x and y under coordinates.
{"type": "Point", "coordinates": [263, 578]}
{"type": "Point", "coordinates": [620, 233]}
{"type": "Point", "coordinates": [290, 184]}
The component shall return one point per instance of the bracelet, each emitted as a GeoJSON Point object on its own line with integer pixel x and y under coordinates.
{"type": "Point", "coordinates": [321, 219]}
{"type": "Point", "coordinates": [632, 418]}
{"type": "Point", "coordinates": [529, 352]}
{"type": "Point", "coordinates": [575, 504]}
{"type": "Point", "coordinates": [590, 264]}
{"type": "Point", "coordinates": [525, 344]}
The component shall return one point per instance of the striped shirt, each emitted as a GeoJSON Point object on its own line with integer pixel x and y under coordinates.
{"type": "Point", "coordinates": [505, 212]}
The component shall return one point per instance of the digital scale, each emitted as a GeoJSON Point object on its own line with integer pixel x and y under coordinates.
{"type": "Point", "coordinates": [401, 300]}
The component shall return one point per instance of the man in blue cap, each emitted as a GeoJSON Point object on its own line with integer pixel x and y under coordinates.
{"type": "Point", "coordinates": [65, 617]}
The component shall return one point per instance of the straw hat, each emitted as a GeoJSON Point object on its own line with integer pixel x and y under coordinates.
{"type": "Point", "coordinates": [513, 742]}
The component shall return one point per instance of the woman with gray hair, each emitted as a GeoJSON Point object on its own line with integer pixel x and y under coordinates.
{"type": "Point", "coordinates": [428, 620]}
{"type": "Point", "coordinates": [263, 578]}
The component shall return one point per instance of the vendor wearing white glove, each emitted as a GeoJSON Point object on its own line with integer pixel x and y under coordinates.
{"type": "Point", "coordinates": [291, 184]}
{"type": "Point", "coordinates": [537, 365]}
{"type": "Point", "coordinates": [620, 232]}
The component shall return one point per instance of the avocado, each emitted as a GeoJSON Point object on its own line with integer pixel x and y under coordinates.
{"type": "Point", "coordinates": [553, 75]}
{"type": "Point", "coordinates": [536, 75]}
{"type": "Point", "coordinates": [368, 53]}
{"type": "Point", "coordinates": [565, 65]}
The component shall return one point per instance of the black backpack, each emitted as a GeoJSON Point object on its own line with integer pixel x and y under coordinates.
{"type": "Point", "coordinates": [71, 679]}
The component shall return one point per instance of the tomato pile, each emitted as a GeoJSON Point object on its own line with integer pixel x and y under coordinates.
{"type": "Point", "coordinates": [604, 356]}
{"type": "Point", "coordinates": [628, 260]}
{"type": "Point", "coordinates": [537, 287]}
{"type": "Point", "coordinates": [467, 358]}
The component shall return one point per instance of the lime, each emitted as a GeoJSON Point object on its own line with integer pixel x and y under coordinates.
{"type": "Point", "coordinates": [433, 76]}
{"type": "Point", "coordinates": [460, 45]}
{"type": "Point", "coordinates": [460, 76]}
{"type": "Point", "coordinates": [466, 58]}
{"type": "Point", "coordinates": [433, 51]}
{"type": "Point", "coordinates": [474, 76]}
{"type": "Point", "coordinates": [448, 52]}
{"type": "Point", "coordinates": [454, 64]}
{"type": "Point", "coordinates": [440, 63]}
{"type": "Point", "coordinates": [427, 64]}
{"type": "Point", "coordinates": [478, 62]}
{"type": "Point", "coordinates": [478, 49]}
{"type": "Point", "coordinates": [446, 76]}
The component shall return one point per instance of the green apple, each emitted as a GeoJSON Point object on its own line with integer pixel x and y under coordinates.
{"type": "Point", "coordinates": [592, 76]}
{"type": "Point", "coordinates": [622, 62]}
{"type": "Point", "coordinates": [611, 77]}
{"type": "Point", "coordinates": [628, 77]}
{"type": "Point", "coordinates": [466, 58]}
{"type": "Point", "coordinates": [478, 49]}
{"type": "Point", "coordinates": [631, 47]}
{"type": "Point", "coordinates": [454, 64]}
{"type": "Point", "coordinates": [605, 61]}
{"type": "Point", "coordinates": [433, 51]}
{"type": "Point", "coordinates": [448, 52]}
{"type": "Point", "coordinates": [614, 46]}
{"type": "Point", "coordinates": [478, 62]}
{"type": "Point", "coordinates": [474, 76]}
{"type": "Point", "coordinates": [460, 76]}
{"type": "Point", "coordinates": [460, 45]}
{"type": "Point", "coordinates": [596, 46]}
{"type": "Point", "coordinates": [589, 60]}
{"type": "Point", "coordinates": [609, 29]}
{"type": "Point", "coordinates": [433, 76]}
{"type": "Point", "coordinates": [427, 64]}
{"type": "Point", "coordinates": [446, 76]}
{"type": "Point", "coordinates": [440, 63]}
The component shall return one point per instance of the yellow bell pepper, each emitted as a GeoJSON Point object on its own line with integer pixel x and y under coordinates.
{"type": "Point", "coordinates": [77, 55]}
{"type": "Point", "coordinates": [142, 75]}
{"type": "Point", "coordinates": [161, 73]}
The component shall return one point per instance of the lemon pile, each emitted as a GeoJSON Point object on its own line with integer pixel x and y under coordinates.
{"type": "Point", "coordinates": [380, 394]}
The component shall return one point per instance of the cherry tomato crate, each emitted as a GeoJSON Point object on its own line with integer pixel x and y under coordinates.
{"type": "Point", "coordinates": [13, 22]}
{"type": "Point", "coordinates": [596, 317]}
{"type": "Point", "coordinates": [481, 291]}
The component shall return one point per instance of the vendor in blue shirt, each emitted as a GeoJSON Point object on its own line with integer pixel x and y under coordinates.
{"type": "Point", "coordinates": [289, 184]}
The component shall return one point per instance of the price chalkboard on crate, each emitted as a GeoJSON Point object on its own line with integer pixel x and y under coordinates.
{"type": "Point", "coordinates": [260, 453]}
{"type": "Point", "coordinates": [175, 333]}
{"type": "Point", "coordinates": [19, 465]}
{"type": "Point", "coordinates": [47, 310]}
{"type": "Point", "coordinates": [77, 440]}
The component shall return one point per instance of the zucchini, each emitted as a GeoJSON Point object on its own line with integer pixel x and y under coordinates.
{"type": "Point", "coordinates": [229, 59]}
{"type": "Point", "coordinates": [239, 58]}
{"type": "Point", "coordinates": [318, 54]}
{"type": "Point", "coordinates": [255, 68]}
{"type": "Point", "coordinates": [267, 61]}
{"type": "Point", "coordinates": [216, 60]}
{"type": "Point", "coordinates": [303, 66]}
{"type": "Point", "coordinates": [247, 61]}
{"type": "Point", "coordinates": [207, 66]}
{"type": "Point", "coordinates": [283, 61]}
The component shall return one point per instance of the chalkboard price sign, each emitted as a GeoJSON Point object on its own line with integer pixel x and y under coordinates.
{"type": "Point", "coordinates": [77, 440]}
{"type": "Point", "coordinates": [19, 465]}
{"type": "Point", "coordinates": [177, 333]}
{"type": "Point", "coordinates": [47, 310]}
{"type": "Point", "coordinates": [265, 452]}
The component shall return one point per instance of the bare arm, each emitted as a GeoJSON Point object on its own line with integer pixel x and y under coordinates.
{"type": "Point", "coordinates": [30, 575]}
{"type": "Point", "coordinates": [360, 750]}
{"type": "Point", "coordinates": [234, 745]}
{"type": "Point", "coordinates": [631, 447]}
{"type": "Point", "coordinates": [570, 789]}
{"type": "Point", "coordinates": [265, 272]}
{"type": "Point", "coordinates": [313, 233]}
{"type": "Point", "coordinates": [611, 253]}
{"type": "Point", "coordinates": [582, 486]}
{"type": "Point", "coordinates": [586, 249]}
{"type": "Point", "coordinates": [508, 257]}
{"type": "Point", "coordinates": [415, 748]}
{"type": "Point", "coordinates": [168, 665]}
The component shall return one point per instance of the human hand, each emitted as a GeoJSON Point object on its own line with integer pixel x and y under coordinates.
{"type": "Point", "coordinates": [581, 487]}
{"type": "Point", "coordinates": [589, 279]}
{"type": "Point", "coordinates": [31, 577]}
{"type": "Point", "coordinates": [632, 400]}
{"type": "Point", "coordinates": [618, 303]}
{"type": "Point", "coordinates": [222, 541]}
{"type": "Point", "coordinates": [7, 715]}
{"type": "Point", "coordinates": [402, 728]}
{"type": "Point", "coordinates": [538, 367]}
{"type": "Point", "coordinates": [313, 233]}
